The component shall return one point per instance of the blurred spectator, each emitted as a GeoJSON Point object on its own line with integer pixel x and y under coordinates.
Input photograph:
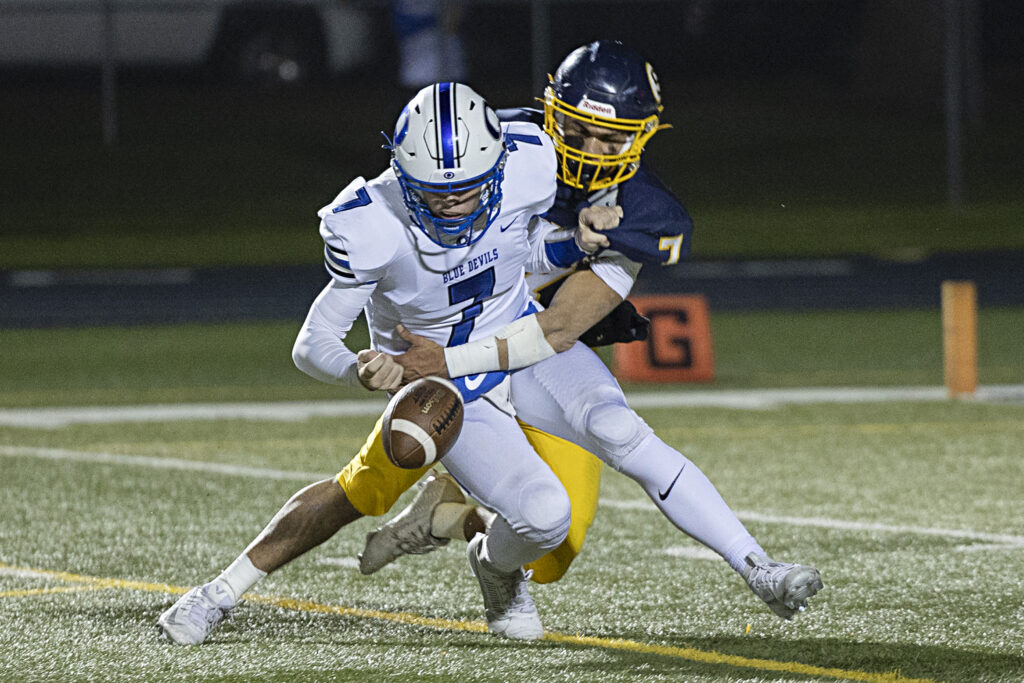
{"type": "Point", "coordinates": [429, 43]}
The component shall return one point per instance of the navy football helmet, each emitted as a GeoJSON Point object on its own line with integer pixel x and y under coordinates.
{"type": "Point", "coordinates": [603, 85]}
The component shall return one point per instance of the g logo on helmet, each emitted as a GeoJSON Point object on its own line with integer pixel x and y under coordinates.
{"type": "Point", "coordinates": [652, 78]}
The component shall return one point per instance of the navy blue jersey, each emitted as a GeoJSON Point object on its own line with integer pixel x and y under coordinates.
{"type": "Point", "coordinates": [655, 228]}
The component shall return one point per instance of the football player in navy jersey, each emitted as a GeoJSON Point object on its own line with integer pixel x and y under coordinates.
{"type": "Point", "coordinates": [602, 106]}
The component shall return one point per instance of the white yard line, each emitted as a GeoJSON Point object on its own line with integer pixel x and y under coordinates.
{"type": "Point", "coordinates": [1001, 540]}
{"type": "Point", "coordinates": [283, 411]}
{"type": "Point", "coordinates": [290, 411]}
{"type": "Point", "coordinates": [353, 563]}
{"type": "Point", "coordinates": [59, 454]}
{"type": "Point", "coordinates": [827, 523]}
{"type": "Point", "coordinates": [23, 573]}
{"type": "Point", "coordinates": [157, 463]}
{"type": "Point", "coordinates": [762, 399]}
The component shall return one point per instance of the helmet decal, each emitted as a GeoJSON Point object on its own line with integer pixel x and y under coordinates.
{"type": "Point", "coordinates": [492, 123]}
{"type": "Point", "coordinates": [599, 108]}
{"type": "Point", "coordinates": [402, 127]}
{"type": "Point", "coordinates": [652, 78]}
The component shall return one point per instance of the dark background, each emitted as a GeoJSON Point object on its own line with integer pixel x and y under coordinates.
{"type": "Point", "coordinates": [802, 129]}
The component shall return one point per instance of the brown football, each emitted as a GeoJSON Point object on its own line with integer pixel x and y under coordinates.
{"type": "Point", "coordinates": [421, 422]}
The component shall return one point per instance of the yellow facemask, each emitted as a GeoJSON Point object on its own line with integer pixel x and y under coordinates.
{"type": "Point", "coordinates": [590, 171]}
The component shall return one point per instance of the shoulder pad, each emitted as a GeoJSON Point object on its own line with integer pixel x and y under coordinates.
{"type": "Point", "coordinates": [524, 114]}
{"type": "Point", "coordinates": [361, 232]}
{"type": "Point", "coordinates": [656, 227]}
{"type": "Point", "coordinates": [525, 134]}
{"type": "Point", "coordinates": [530, 170]}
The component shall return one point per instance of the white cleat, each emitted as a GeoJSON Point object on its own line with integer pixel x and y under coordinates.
{"type": "Point", "coordinates": [509, 608]}
{"type": "Point", "coordinates": [783, 586]}
{"type": "Point", "coordinates": [409, 532]}
{"type": "Point", "coordinates": [190, 620]}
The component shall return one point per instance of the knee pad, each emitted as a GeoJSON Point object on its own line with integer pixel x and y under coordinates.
{"type": "Point", "coordinates": [613, 427]}
{"type": "Point", "coordinates": [545, 508]}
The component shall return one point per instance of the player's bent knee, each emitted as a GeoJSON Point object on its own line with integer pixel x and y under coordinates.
{"type": "Point", "coordinates": [546, 511]}
{"type": "Point", "coordinates": [616, 428]}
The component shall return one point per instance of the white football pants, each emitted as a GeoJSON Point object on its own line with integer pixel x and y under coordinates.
{"type": "Point", "coordinates": [574, 396]}
{"type": "Point", "coordinates": [495, 463]}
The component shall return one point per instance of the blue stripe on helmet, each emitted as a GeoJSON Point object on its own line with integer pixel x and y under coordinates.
{"type": "Point", "coordinates": [444, 92]}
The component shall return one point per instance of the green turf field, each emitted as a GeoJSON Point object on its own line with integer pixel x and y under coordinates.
{"type": "Point", "coordinates": [910, 510]}
{"type": "Point", "coordinates": [251, 361]}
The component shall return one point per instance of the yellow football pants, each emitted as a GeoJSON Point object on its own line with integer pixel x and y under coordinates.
{"type": "Point", "coordinates": [373, 485]}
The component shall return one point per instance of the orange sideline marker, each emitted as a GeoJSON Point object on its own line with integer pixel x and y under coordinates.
{"type": "Point", "coordinates": [960, 337]}
{"type": "Point", "coordinates": [679, 346]}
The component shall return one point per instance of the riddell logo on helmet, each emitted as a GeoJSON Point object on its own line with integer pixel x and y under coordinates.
{"type": "Point", "coordinates": [606, 110]}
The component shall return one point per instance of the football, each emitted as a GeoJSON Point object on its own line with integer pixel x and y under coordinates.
{"type": "Point", "coordinates": [421, 422]}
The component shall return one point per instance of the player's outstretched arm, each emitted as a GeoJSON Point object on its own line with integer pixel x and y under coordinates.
{"type": "Point", "coordinates": [583, 300]}
{"type": "Point", "coordinates": [580, 303]}
{"type": "Point", "coordinates": [319, 349]}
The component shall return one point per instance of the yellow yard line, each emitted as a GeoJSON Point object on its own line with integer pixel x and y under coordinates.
{"type": "Point", "coordinates": [712, 657]}
{"type": "Point", "coordinates": [686, 653]}
{"type": "Point", "coordinates": [398, 617]}
{"type": "Point", "coordinates": [45, 591]}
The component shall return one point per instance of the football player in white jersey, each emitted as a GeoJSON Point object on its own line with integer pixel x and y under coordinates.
{"type": "Point", "coordinates": [436, 244]}
{"type": "Point", "coordinates": [600, 108]}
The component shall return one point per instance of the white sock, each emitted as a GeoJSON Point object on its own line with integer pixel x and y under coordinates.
{"type": "Point", "coordinates": [693, 503]}
{"type": "Point", "coordinates": [448, 520]}
{"type": "Point", "coordinates": [240, 576]}
{"type": "Point", "coordinates": [506, 551]}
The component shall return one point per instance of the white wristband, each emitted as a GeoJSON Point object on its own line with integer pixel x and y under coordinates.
{"type": "Point", "coordinates": [525, 342]}
{"type": "Point", "coordinates": [472, 358]}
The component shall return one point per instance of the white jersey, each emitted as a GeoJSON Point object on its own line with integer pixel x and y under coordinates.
{"type": "Point", "coordinates": [379, 259]}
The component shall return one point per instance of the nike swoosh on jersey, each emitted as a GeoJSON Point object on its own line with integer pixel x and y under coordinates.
{"type": "Point", "coordinates": [506, 227]}
{"type": "Point", "coordinates": [664, 495]}
{"type": "Point", "coordinates": [472, 382]}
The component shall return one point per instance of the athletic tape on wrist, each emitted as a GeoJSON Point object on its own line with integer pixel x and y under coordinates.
{"type": "Point", "coordinates": [472, 358]}
{"type": "Point", "coordinates": [526, 342]}
{"type": "Point", "coordinates": [526, 346]}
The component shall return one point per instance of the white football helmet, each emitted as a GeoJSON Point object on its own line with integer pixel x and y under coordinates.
{"type": "Point", "coordinates": [448, 140]}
